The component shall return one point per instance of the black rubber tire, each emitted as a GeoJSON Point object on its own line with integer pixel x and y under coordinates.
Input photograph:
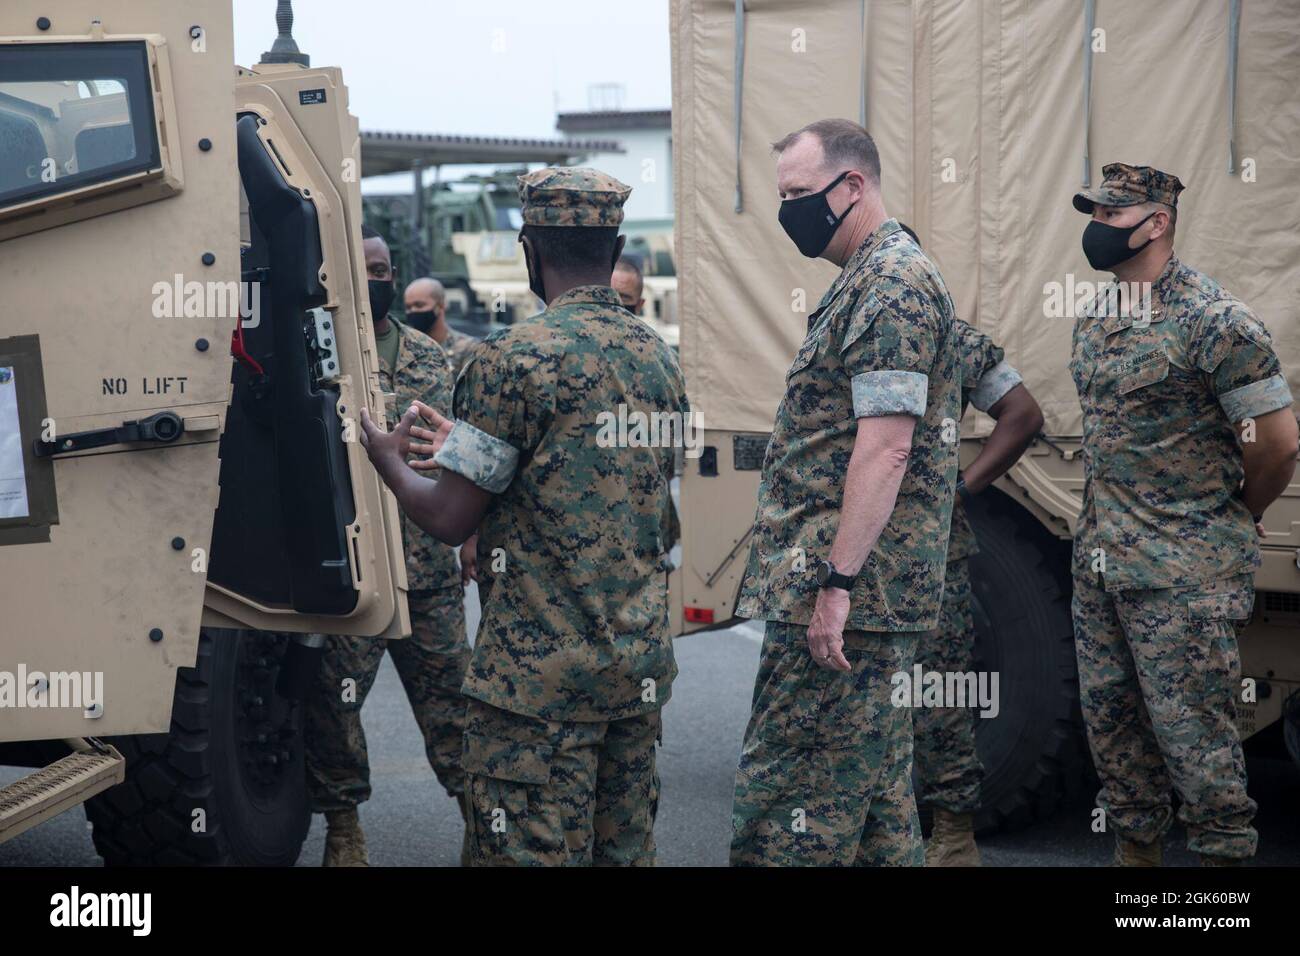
{"type": "Point", "coordinates": [1290, 727]}
{"type": "Point", "coordinates": [1034, 752]}
{"type": "Point", "coordinates": [201, 764]}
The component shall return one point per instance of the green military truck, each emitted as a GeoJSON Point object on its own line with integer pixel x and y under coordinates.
{"type": "Point", "coordinates": [989, 117]}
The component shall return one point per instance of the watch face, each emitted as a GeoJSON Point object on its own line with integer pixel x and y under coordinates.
{"type": "Point", "coordinates": [823, 572]}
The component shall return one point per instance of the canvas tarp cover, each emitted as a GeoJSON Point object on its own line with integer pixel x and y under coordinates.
{"type": "Point", "coordinates": [992, 94]}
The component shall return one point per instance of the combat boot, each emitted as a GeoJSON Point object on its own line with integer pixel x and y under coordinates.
{"type": "Point", "coordinates": [345, 844]}
{"type": "Point", "coordinates": [1207, 860]}
{"type": "Point", "coordinates": [952, 841]}
{"type": "Point", "coordinates": [1131, 853]}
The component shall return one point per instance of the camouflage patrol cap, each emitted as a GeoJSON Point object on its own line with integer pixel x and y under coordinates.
{"type": "Point", "coordinates": [572, 196]}
{"type": "Point", "coordinates": [1125, 185]}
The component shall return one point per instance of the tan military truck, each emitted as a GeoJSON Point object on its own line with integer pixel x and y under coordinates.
{"type": "Point", "coordinates": [185, 347]}
{"type": "Point", "coordinates": [989, 117]}
{"type": "Point", "coordinates": [494, 263]}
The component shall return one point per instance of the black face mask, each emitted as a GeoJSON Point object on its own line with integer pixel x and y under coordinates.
{"type": "Point", "coordinates": [1106, 246]}
{"type": "Point", "coordinates": [421, 321]}
{"type": "Point", "coordinates": [381, 298]}
{"type": "Point", "coordinates": [809, 221]}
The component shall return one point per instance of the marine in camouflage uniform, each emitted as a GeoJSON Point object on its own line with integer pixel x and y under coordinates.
{"type": "Point", "coordinates": [573, 660]}
{"type": "Point", "coordinates": [825, 770]}
{"type": "Point", "coordinates": [1165, 550]}
{"type": "Point", "coordinates": [431, 662]}
{"type": "Point", "coordinates": [425, 299]}
{"type": "Point", "coordinates": [948, 771]}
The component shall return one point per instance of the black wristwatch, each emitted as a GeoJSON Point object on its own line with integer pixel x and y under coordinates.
{"type": "Point", "coordinates": [828, 577]}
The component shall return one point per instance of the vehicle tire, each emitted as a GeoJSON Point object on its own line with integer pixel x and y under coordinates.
{"type": "Point", "coordinates": [234, 753]}
{"type": "Point", "coordinates": [1291, 726]}
{"type": "Point", "coordinates": [1034, 752]}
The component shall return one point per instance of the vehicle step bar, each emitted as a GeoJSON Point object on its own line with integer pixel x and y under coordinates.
{"type": "Point", "coordinates": [92, 767]}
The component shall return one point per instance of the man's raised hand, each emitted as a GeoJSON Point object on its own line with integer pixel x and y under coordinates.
{"type": "Point", "coordinates": [427, 442]}
{"type": "Point", "coordinates": [388, 450]}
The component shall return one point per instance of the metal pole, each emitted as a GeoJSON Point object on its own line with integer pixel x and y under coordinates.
{"type": "Point", "coordinates": [418, 258]}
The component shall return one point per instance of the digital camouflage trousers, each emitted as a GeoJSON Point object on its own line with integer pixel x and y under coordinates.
{"type": "Point", "coordinates": [948, 772]}
{"type": "Point", "coordinates": [431, 664]}
{"type": "Point", "coordinates": [560, 792]}
{"type": "Point", "coordinates": [825, 774]}
{"type": "Point", "coordinates": [1159, 679]}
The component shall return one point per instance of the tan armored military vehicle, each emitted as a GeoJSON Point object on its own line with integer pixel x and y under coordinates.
{"type": "Point", "coordinates": [159, 498]}
{"type": "Point", "coordinates": [989, 116]}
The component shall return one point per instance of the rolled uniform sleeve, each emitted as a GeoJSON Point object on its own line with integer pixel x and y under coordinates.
{"type": "Point", "coordinates": [993, 385]}
{"type": "Point", "coordinates": [1234, 349]}
{"type": "Point", "coordinates": [484, 459]}
{"type": "Point", "coordinates": [985, 377]}
{"type": "Point", "coordinates": [888, 350]}
{"type": "Point", "coordinates": [493, 424]}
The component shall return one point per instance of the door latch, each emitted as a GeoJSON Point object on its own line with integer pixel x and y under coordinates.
{"type": "Point", "coordinates": [162, 428]}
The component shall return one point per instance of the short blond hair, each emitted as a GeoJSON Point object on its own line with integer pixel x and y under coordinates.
{"type": "Point", "coordinates": [844, 144]}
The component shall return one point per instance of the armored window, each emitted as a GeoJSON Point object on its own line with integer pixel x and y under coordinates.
{"type": "Point", "coordinates": [74, 115]}
{"type": "Point", "coordinates": [509, 219]}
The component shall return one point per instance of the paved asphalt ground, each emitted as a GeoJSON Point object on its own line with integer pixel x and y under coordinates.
{"type": "Point", "coordinates": [410, 821]}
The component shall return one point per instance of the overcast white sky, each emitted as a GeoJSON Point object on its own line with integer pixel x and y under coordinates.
{"type": "Point", "coordinates": [486, 67]}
